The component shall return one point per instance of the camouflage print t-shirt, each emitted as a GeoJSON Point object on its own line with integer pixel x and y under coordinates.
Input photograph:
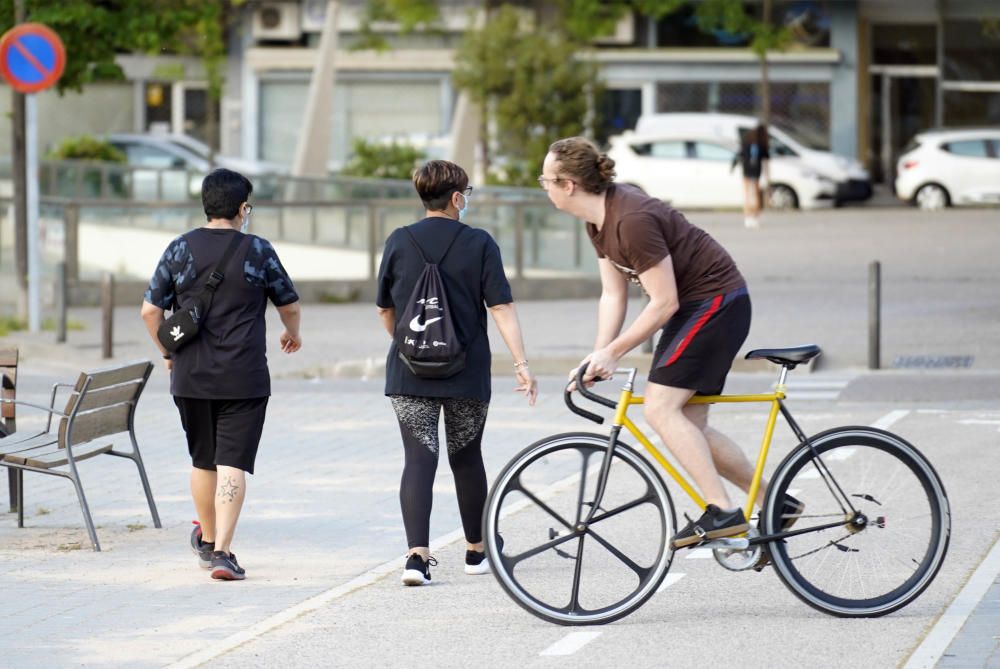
{"type": "Point", "coordinates": [261, 268]}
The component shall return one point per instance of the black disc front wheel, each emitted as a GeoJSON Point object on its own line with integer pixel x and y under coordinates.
{"type": "Point", "coordinates": [553, 563]}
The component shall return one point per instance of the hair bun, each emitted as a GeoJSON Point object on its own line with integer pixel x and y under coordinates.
{"type": "Point", "coordinates": [606, 167]}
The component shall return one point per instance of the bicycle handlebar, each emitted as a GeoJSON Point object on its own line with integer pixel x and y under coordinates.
{"type": "Point", "coordinates": [587, 393]}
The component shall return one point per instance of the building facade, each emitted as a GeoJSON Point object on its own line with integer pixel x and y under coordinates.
{"type": "Point", "coordinates": [860, 78]}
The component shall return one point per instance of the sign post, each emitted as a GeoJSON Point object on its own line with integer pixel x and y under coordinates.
{"type": "Point", "coordinates": [32, 59]}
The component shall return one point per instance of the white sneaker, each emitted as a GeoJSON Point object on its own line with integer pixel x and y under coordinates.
{"type": "Point", "coordinates": [417, 570]}
{"type": "Point", "coordinates": [476, 563]}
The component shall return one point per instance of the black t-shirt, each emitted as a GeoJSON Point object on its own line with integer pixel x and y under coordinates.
{"type": "Point", "coordinates": [474, 279]}
{"type": "Point", "coordinates": [228, 358]}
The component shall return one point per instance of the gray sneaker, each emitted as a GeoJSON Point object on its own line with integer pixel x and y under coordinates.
{"type": "Point", "coordinates": [203, 549]}
{"type": "Point", "coordinates": [226, 568]}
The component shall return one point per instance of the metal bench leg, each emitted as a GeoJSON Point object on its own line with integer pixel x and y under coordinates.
{"type": "Point", "coordinates": [19, 484]}
{"type": "Point", "coordinates": [86, 512]}
{"type": "Point", "coordinates": [137, 459]}
{"type": "Point", "coordinates": [12, 483]}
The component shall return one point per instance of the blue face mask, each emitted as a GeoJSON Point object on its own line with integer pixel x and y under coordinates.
{"type": "Point", "coordinates": [246, 224]}
{"type": "Point", "coordinates": [465, 208]}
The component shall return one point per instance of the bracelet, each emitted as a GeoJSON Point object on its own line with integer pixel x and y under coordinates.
{"type": "Point", "coordinates": [519, 365]}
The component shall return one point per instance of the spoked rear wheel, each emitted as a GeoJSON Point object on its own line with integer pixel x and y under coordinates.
{"type": "Point", "coordinates": [894, 522]}
{"type": "Point", "coordinates": [555, 566]}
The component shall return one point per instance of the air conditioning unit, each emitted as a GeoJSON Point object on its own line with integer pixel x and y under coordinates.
{"type": "Point", "coordinates": [623, 34]}
{"type": "Point", "coordinates": [278, 21]}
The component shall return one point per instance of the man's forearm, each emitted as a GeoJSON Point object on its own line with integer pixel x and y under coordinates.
{"type": "Point", "coordinates": [388, 317]}
{"type": "Point", "coordinates": [650, 319]}
{"type": "Point", "coordinates": [610, 316]}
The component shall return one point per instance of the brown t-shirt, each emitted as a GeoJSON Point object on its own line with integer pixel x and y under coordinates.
{"type": "Point", "coordinates": [639, 231]}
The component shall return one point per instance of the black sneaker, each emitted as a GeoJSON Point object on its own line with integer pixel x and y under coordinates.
{"type": "Point", "coordinates": [226, 568]}
{"type": "Point", "coordinates": [418, 570]}
{"type": "Point", "coordinates": [203, 549]}
{"type": "Point", "coordinates": [791, 511]}
{"type": "Point", "coordinates": [713, 524]}
{"type": "Point", "coordinates": [476, 562]}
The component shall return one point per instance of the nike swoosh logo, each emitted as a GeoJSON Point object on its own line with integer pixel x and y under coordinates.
{"type": "Point", "coordinates": [417, 326]}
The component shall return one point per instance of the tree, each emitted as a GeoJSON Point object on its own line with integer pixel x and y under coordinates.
{"type": "Point", "coordinates": [529, 84]}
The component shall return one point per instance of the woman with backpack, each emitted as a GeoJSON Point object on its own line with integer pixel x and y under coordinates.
{"type": "Point", "coordinates": [437, 280]}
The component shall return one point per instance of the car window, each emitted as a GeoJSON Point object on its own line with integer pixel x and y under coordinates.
{"type": "Point", "coordinates": [779, 148]}
{"type": "Point", "coordinates": [975, 148]}
{"type": "Point", "coordinates": [151, 156]}
{"type": "Point", "coordinates": [995, 146]}
{"type": "Point", "coordinates": [671, 149]}
{"type": "Point", "coordinates": [709, 151]}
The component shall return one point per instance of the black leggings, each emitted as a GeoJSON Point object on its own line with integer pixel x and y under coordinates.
{"type": "Point", "coordinates": [464, 420]}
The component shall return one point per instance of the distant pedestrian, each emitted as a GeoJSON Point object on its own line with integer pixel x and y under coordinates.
{"type": "Point", "coordinates": [752, 157]}
{"type": "Point", "coordinates": [220, 380]}
{"type": "Point", "coordinates": [474, 281]}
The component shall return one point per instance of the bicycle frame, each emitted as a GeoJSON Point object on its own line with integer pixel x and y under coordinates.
{"type": "Point", "coordinates": [627, 398]}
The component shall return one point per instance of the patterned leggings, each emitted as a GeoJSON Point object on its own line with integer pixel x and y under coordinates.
{"type": "Point", "coordinates": [464, 420]}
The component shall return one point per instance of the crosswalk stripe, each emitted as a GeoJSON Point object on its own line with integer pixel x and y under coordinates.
{"type": "Point", "coordinates": [669, 581]}
{"type": "Point", "coordinates": [571, 643]}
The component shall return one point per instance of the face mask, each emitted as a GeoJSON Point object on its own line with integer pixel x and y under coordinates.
{"type": "Point", "coordinates": [465, 208]}
{"type": "Point", "coordinates": [246, 224]}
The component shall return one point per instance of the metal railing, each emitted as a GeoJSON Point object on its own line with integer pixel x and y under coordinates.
{"type": "Point", "coordinates": [338, 239]}
{"type": "Point", "coordinates": [96, 180]}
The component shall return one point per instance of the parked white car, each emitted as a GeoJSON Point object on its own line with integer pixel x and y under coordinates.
{"type": "Point", "coordinates": [690, 171]}
{"type": "Point", "coordinates": [179, 163]}
{"type": "Point", "coordinates": [853, 180]}
{"type": "Point", "coordinates": [944, 167]}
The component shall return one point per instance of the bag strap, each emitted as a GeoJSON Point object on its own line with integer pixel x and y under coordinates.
{"type": "Point", "coordinates": [420, 250]}
{"type": "Point", "coordinates": [217, 274]}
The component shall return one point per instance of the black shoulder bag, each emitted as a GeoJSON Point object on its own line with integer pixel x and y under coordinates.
{"type": "Point", "coordinates": [183, 325]}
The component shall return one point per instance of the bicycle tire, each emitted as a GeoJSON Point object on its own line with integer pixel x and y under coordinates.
{"type": "Point", "coordinates": [510, 481]}
{"type": "Point", "coordinates": [914, 487]}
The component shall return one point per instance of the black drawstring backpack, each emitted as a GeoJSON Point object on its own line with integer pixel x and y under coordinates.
{"type": "Point", "coordinates": [425, 335]}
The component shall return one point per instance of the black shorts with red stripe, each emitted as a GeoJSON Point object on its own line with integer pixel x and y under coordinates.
{"type": "Point", "coordinates": [698, 344]}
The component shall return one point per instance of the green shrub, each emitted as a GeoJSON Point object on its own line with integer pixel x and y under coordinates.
{"type": "Point", "coordinates": [382, 161]}
{"type": "Point", "coordinates": [86, 147]}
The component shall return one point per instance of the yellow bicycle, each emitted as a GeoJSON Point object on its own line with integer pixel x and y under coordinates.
{"type": "Point", "coordinates": [586, 520]}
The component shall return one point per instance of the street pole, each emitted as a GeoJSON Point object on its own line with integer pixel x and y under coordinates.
{"type": "Point", "coordinates": [20, 194]}
{"type": "Point", "coordinates": [31, 199]}
{"type": "Point", "coordinates": [313, 148]}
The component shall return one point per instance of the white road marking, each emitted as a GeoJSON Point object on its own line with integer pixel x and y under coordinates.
{"type": "Point", "coordinates": [948, 625]}
{"type": "Point", "coordinates": [669, 581]}
{"type": "Point", "coordinates": [699, 554]}
{"type": "Point", "coordinates": [571, 643]}
{"type": "Point", "coordinates": [890, 419]}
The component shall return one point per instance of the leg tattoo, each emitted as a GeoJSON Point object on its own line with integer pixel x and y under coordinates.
{"type": "Point", "coordinates": [228, 490]}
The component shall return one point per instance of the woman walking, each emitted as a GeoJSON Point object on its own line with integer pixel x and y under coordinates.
{"type": "Point", "coordinates": [753, 153]}
{"type": "Point", "coordinates": [472, 273]}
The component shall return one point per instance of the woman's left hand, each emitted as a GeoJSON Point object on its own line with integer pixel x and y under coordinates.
{"type": "Point", "coordinates": [527, 384]}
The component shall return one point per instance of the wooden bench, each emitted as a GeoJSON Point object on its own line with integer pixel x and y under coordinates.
{"type": "Point", "coordinates": [101, 405]}
{"type": "Point", "coordinates": [8, 411]}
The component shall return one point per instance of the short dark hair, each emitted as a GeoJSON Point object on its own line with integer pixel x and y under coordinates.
{"type": "Point", "coordinates": [222, 193]}
{"type": "Point", "coordinates": [437, 180]}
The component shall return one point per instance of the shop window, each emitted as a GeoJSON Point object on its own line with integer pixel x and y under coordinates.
{"type": "Point", "coordinates": [972, 50]}
{"type": "Point", "coordinates": [904, 44]}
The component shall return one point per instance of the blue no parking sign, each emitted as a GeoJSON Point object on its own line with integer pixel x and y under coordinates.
{"type": "Point", "coordinates": [32, 57]}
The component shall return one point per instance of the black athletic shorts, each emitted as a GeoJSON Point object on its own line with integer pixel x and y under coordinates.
{"type": "Point", "coordinates": [222, 432]}
{"type": "Point", "coordinates": [698, 344]}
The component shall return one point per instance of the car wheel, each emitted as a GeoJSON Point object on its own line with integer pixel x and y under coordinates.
{"type": "Point", "coordinates": [782, 197]}
{"type": "Point", "coordinates": [932, 197]}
